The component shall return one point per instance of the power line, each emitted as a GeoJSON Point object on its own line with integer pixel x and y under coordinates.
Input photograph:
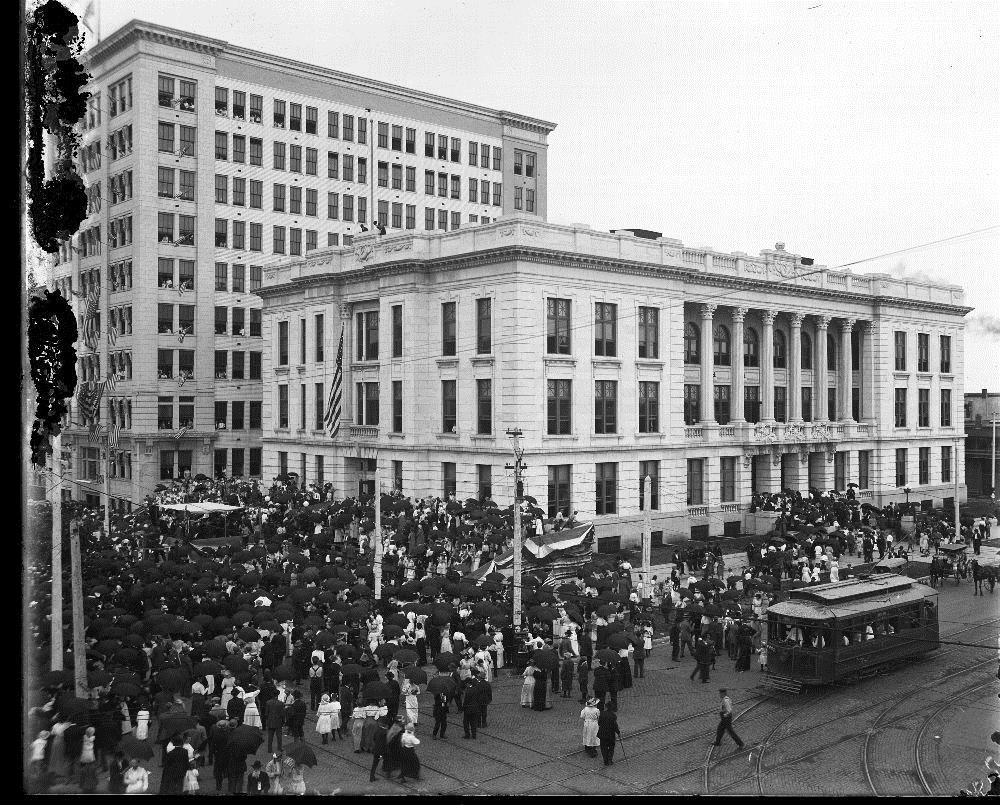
{"type": "Point", "coordinates": [921, 246]}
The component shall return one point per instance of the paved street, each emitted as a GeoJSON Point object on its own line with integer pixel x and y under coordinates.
{"type": "Point", "coordinates": [847, 740]}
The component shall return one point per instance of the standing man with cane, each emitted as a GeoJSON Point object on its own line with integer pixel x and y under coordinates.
{"type": "Point", "coordinates": [726, 720]}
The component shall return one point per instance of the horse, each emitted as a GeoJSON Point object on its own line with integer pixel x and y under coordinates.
{"type": "Point", "coordinates": [981, 573]}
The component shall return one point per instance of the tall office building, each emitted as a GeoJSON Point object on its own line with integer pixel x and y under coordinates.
{"type": "Point", "coordinates": [204, 162]}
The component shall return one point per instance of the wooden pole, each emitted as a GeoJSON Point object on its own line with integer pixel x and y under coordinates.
{"type": "Point", "coordinates": [55, 501]}
{"type": "Point", "coordinates": [76, 576]}
{"type": "Point", "coordinates": [377, 537]}
{"type": "Point", "coordinates": [647, 537]}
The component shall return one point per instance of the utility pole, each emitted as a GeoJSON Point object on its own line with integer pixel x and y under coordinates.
{"type": "Point", "coordinates": [958, 525]}
{"type": "Point", "coordinates": [76, 573]}
{"type": "Point", "coordinates": [518, 466]}
{"type": "Point", "coordinates": [377, 568]}
{"type": "Point", "coordinates": [107, 491]}
{"type": "Point", "coordinates": [647, 537]}
{"type": "Point", "coordinates": [56, 608]}
{"type": "Point", "coordinates": [993, 464]}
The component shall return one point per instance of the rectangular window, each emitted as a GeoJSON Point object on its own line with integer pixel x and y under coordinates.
{"type": "Point", "coordinates": [840, 470]}
{"type": "Point", "coordinates": [900, 407]}
{"type": "Point", "coordinates": [185, 319]}
{"type": "Point", "coordinates": [282, 343]}
{"type": "Point", "coordinates": [484, 159]}
{"type": "Point", "coordinates": [221, 145]}
{"type": "Point", "coordinates": [348, 129]}
{"type": "Point", "coordinates": [397, 177]}
{"type": "Point", "coordinates": [429, 183]}
{"type": "Point", "coordinates": [283, 405]}
{"type": "Point", "coordinates": [238, 452]}
{"type": "Point", "coordinates": [221, 232]}
{"type": "Point", "coordinates": [347, 211]}
{"type": "Point", "coordinates": [239, 365]}
{"type": "Point", "coordinates": [221, 315]}
{"type": "Point", "coordinates": [278, 242]}
{"type": "Point", "coordinates": [165, 183]}
{"type": "Point", "coordinates": [449, 420]}
{"type": "Point", "coordinates": [484, 406]}
{"type": "Point", "coordinates": [605, 326]}
{"type": "Point", "coordinates": [923, 352]}
{"type": "Point", "coordinates": [529, 200]}
{"type": "Point", "coordinates": [442, 185]}
{"type": "Point", "coordinates": [945, 354]}
{"type": "Point", "coordinates": [333, 206]}
{"type": "Point", "coordinates": [239, 148]}
{"type": "Point", "coordinates": [484, 326]}
{"type": "Point", "coordinates": [256, 151]}
{"type": "Point", "coordinates": [238, 321]}
{"type": "Point", "coordinates": [362, 130]}
{"type": "Point", "coordinates": [945, 408]}
{"type": "Point", "coordinates": [397, 406]}
{"type": "Point", "coordinates": [256, 108]}
{"type": "Point", "coordinates": [727, 479]}
{"type": "Point", "coordinates": [606, 406]}
{"type": "Point", "coordinates": [397, 215]}
{"type": "Point", "coordinates": [164, 227]}
{"type": "Point", "coordinates": [256, 359]}
{"type": "Point", "coordinates": [923, 408]}
{"type": "Point", "coordinates": [383, 135]}
{"type": "Point", "coordinates": [428, 219]}
{"type": "Point", "coordinates": [900, 344]}
{"type": "Point", "coordinates": [278, 116]}
{"type": "Point", "coordinates": [831, 404]}
{"type": "Point", "coordinates": [474, 154]}
{"type": "Point", "coordinates": [781, 404]}
{"type": "Point", "coordinates": [239, 192]}
{"type": "Point", "coordinates": [428, 144]}
{"type": "Point", "coordinates": [864, 468]}
{"type": "Point", "coordinates": [901, 466]}
{"type": "Point", "coordinates": [318, 405]}
{"type": "Point", "coordinates": [311, 160]}
{"type": "Point", "coordinates": [692, 403]}
{"type": "Point", "coordinates": [606, 497]}
{"type": "Point", "coordinates": [295, 158]}
{"type": "Point", "coordinates": [649, 332]}
{"type": "Point", "coordinates": [649, 407]}
{"type": "Point", "coordinates": [220, 414]}
{"type": "Point", "coordinates": [318, 355]}
{"type": "Point", "coordinates": [807, 404]}
{"type": "Point", "coordinates": [456, 220]}
{"type": "Point", "coordinates": [165, 318]}
{"type": "Point", "coordinates": [256, 194]}
{"type": "Point", "coordinates": [456, 186]}
{"type": "Point", "coordinates": [382, 213]}
{"type": "Point", "coordinates": [279, 156]}
{"type": "Point", "coordinates": [924, 466]}
{"type": "Point", "coordinates": [721, 404]}
{"type": "Point", "coordinates": [449, 327]}
{"type": "Point", "coordinates": [497, 159]}
{"type": "Point", "coordinates": [302, 340]}
{"type": "Point", "coordinates": [411, 216]}
{"type": "Point", "coordinates": [239, 105]}
{"type": "Point", "coordinates": [695, 482]}
{"type": "Point", "coordinates": [165, 406]}
{"type": "Point", "coordinates": [347, 168]}
{"type": "Point", "coordinates": [946, 464]}
{"type": "Point", "coordinates": [448, 474]}
{"type": "Point", "coordinates": [652, 470]}
{"type": "Point", "coordinates": [333, 125]}
{"type": "Point", "coordinates": [332, 165]}
{"type": "Point", "coordinates": [295, 116]}
{"type": "Point", "coordinates": [397, 331]}
{"type": "Point", "coordinates": [411, 179]}
{"type": "Point", "coordinates": [557, 326]}
{"type": "Point", "coordinates": [411, 141]}
{"type": "Point", "coordinates": [295, 199]}
{"type": "Point", "coordinates": [474, 190]}
{"type": "Point", "coordinates": [559, 486]}
{"type": "Point", "coordinates": [221, 189]}
{"type": "Point", "coordinates": [256, 235]}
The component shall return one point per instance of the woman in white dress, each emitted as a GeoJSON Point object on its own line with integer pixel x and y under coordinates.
{"type": "Point", "coordinates": [528, 687]}
{"type": "Point", "coordinates": [328, 717]}
{"type": "Point", "coordinates": [445, 642]}
{"type": "Point", "coordinates": [251, 715]}
{"type": "Point", "coordinates": [228, 683]}
{"type": "Point", "coordinates": [590, 714]}
{"type": "Point", "coordinates": [498, 647]}
{"type": "Point", "coordinates": [142, 723]}
{"type": "Point", "coordinates": [411, 691]}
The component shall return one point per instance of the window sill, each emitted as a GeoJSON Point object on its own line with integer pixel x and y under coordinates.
{"type": "Point", "coordinates": [649, 435]}
{"type": "Point", "coordinates": [482, 360]}
{"type": "Point", "coordinates": [648, 363]}
{"type": "Point", "coordinates": [281, 370]}
{"type": "Point", "coordinates": [359, 365]}
{"type": "Point", "coordinates": [607, 437]}
{"type": "Point", "coordinates": [452, 436]}
{"type": "Point", "coordinates": [599, 360]}
{"type": "Point", "coordinates": [448, 362]}
{"type": "Point", "coordinates": [483, 437]}
{"type": "Point", "coordinates": [561, 437]}
{"type": "Point", "coordinates": [396, 435]}
{"type": "Point", "coordinates": [300, 367]}
{"type": "Point", "coordinates": [898, 375]}
{"type": "Point", "coordinates": [924, 376]}
{"type": "Point", "coordinates": [556, 360]}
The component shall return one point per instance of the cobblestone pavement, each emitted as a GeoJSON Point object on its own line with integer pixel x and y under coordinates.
{"type": "Point", "coordinates": [922, 728]}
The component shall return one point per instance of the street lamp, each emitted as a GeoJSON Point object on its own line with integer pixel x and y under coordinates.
{"type": "Point", "coordinates": [907, 491]}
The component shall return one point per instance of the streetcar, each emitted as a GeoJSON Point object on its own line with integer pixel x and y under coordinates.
{"type": "Point", "coordinates": [848, 629]}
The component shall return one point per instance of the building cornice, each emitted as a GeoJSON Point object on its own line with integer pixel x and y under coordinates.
{"type": "Point", "coordinates": [136, 30]}
{"type": "Point", "coordinates": [539, 255]}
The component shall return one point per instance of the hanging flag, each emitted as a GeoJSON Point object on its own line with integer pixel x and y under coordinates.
{"type": "Point", "coordinates": [181, 332]}
{"type": "Point", "coordinates": [332, 418]}
{"type": "Point", "coordinates": [180, 434]}
{"type": "Point", "coordinates": [114, 432]}
{"type": "Point", "coordinates": [112, 334]}
{"type": "Point", "coordinates": [96, 433]}
{"type": "Point", "coordinates": [111, 382]}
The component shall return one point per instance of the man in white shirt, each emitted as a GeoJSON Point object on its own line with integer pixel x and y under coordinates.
{"type": "Point", "coordinates": [726, 720]}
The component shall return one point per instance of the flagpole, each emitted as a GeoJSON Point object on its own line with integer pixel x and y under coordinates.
{"type": "Point", "coordinates": [107, 490]}
{"type": "Point", "coordinates": [56, 608]}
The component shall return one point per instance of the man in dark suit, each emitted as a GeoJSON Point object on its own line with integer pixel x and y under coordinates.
{"type": "Point", "coordinates": [236, 707]}
{"type": "Point", "coordinates": [395, 692]}
{"type": "Point", "coordinates": [602, 681]}
{"type": "Point", "coordinates": [487, 696]}
{"type": "Point", "coordinates": [607, 732]}
{"type": "Point", "coordinates": [296, 716]}
{"type": "Point", "coordinates": [473, 698]}
{"type": "Point", "coordinates": [274, 721]}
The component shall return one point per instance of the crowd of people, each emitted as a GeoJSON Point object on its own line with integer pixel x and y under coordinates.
{"type": "Point", "coordinates": [216, 648]}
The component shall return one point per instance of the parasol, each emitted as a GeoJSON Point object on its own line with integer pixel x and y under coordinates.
{"type": "Point", "coordinates": [132, 747]}
{"type": "Point", "coordinates": [245, 740]}
{"type": "Point", "coordinates": [417, 675]}
{"type": "Point", "coordinates": [441, 684]}
{"type": "Point", "coordinates": [376, 690]}
{"type": "Point", "coordinates": [302, 754]}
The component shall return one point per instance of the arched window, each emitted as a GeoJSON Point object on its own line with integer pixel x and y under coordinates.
{"type": "Point", "coordinates": [692, 342]}
{"type": "Point", "coordinates": [807, 350]}
{"type": "Point", "coordinates": [720, 344]}
{"type": "Point", "coordinates": [831, 351]}
{"type": "Point", "coordinates": [779, 350]}
{"type": "Point", "coordinates": [751, 347]}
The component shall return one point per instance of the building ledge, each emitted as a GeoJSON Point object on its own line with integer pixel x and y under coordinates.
{"type": "Point", "coordinates": [648, 363]}
{"type": "Point", "coordinates": [447, 363]}
{"type": "Point", "coordinates": [555, 360]}
{"type": "Point", "coordinates": [481, 360]}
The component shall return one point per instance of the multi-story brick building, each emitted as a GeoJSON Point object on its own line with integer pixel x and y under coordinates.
{"type": "Point", "coordinates": [204, 162]}
{"type": "Point", "coordinates": [980, 411]}
{"type": "Point", "coordinates": [717, 375]}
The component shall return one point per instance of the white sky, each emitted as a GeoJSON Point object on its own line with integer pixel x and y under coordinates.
{"type": "Point", "coordinates": [844, 129]}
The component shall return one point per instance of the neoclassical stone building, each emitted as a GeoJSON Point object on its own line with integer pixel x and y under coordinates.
{"type": "Point", "coordinates": [618, 357]}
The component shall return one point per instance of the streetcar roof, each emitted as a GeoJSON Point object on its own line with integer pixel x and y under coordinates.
{"type": "Point", "coordinates": [853, 588]}
{"type": "Point", "coordinates": [800, 609]}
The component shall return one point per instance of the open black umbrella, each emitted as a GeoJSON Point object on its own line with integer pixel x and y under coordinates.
{"type": "Point", "coordinates": [444, 660]}
{"type": "Point", "coordinates": [405, 656]}
{"type": "Point", "coordinates": [376, 690]}
{"type": "Point", "coordinates": [416, 675]}
{"type": "Point", "coordinates": [174, 723]}
{"type": "Point", "coordinates": [441, 684]}
{"type": "Point", "coordinates": [132, 747]}
{"type": "Point", "coordinates": [607, 656]}
{"type": "Point", "coordinates": [301, 753]}
{"type": "Point", "coordinates": [245, 740]}
{"type": "Point", "coordinates": [618, 641]}
{"type": "Point", "coordinates": [545, 658]}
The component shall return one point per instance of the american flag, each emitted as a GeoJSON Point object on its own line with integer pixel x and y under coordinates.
{"type": "Point", "coordinates": [89, 398]}
{"type": "Point", "coordinates": [332, 418]}
{"type": "Point", "coordinates": [90, 331]}
{"type": "Point", "coordinates": [111, 382]}
{"type": "Point", "coordinates": [183, 331]}
{"type": "Point", "coordinates": [180, 434]}
{"type": "Point", "coordinates": [96, 433]}
{"type": "Point", "coordinates": [112, 334]}
{"type": "Point", "coordinates": [114, 432]}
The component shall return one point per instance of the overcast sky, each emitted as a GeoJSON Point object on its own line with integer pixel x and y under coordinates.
{"type": "Point", "coordinates": [845, 129]}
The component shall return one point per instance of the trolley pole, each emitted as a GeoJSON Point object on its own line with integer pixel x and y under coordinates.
{"type": "Point", "coordinates": [76, 573]}
{"type": "Point", "coordinates": [518, 465]}
{"type": "Point", "coordinates": [647, 537]}
{"type": "Point", "coordinates": [55, 501]}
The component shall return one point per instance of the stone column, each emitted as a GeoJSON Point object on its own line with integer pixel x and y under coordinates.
{"type": "Point", "coordinates": [347, 387]}
{"type": "Point", "coordinates": [795, 371]}
{"type": "Point", "coordinates": [739, 314]}
{"type": "Point", "coordinates": [819, 374]}
{"type": "Point", "coordinates": [767, 367]}
{"type": "Point", "coordinates": [707, 397]}
{"type": "Point", "coordinates": [846, 370]}
{"type": "Point", "coordinates": [869, 401]}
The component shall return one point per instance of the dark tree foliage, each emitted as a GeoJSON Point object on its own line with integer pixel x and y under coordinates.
{"type": "Point", "coordinates": [51, 334]}
{"type": "Point", "coordinates": [55, 102]}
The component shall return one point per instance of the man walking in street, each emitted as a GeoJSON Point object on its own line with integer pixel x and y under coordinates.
{"type": "Point", "coordinates": [726, 720]}
{"type": "Point", "coordinates": [274, 721]}
{"type": "Point", "coordinates": [608, 731]}
{"type": "Point", "coordinates": [472, 701]}
{"type": "Point", "coordinates": [702, 657]}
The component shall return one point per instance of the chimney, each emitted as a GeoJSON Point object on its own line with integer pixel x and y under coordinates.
{"type": "Point", "coordinates": [985, 394]}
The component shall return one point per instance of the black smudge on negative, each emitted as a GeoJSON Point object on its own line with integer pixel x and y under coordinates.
{"type": "Point", "coordinates": [54, 79]}
{"type": "Point", "coordinates": [51, 334]}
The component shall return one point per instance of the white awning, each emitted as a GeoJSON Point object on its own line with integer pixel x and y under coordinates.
{"type": "Point", "coordinates": [206, 507]}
